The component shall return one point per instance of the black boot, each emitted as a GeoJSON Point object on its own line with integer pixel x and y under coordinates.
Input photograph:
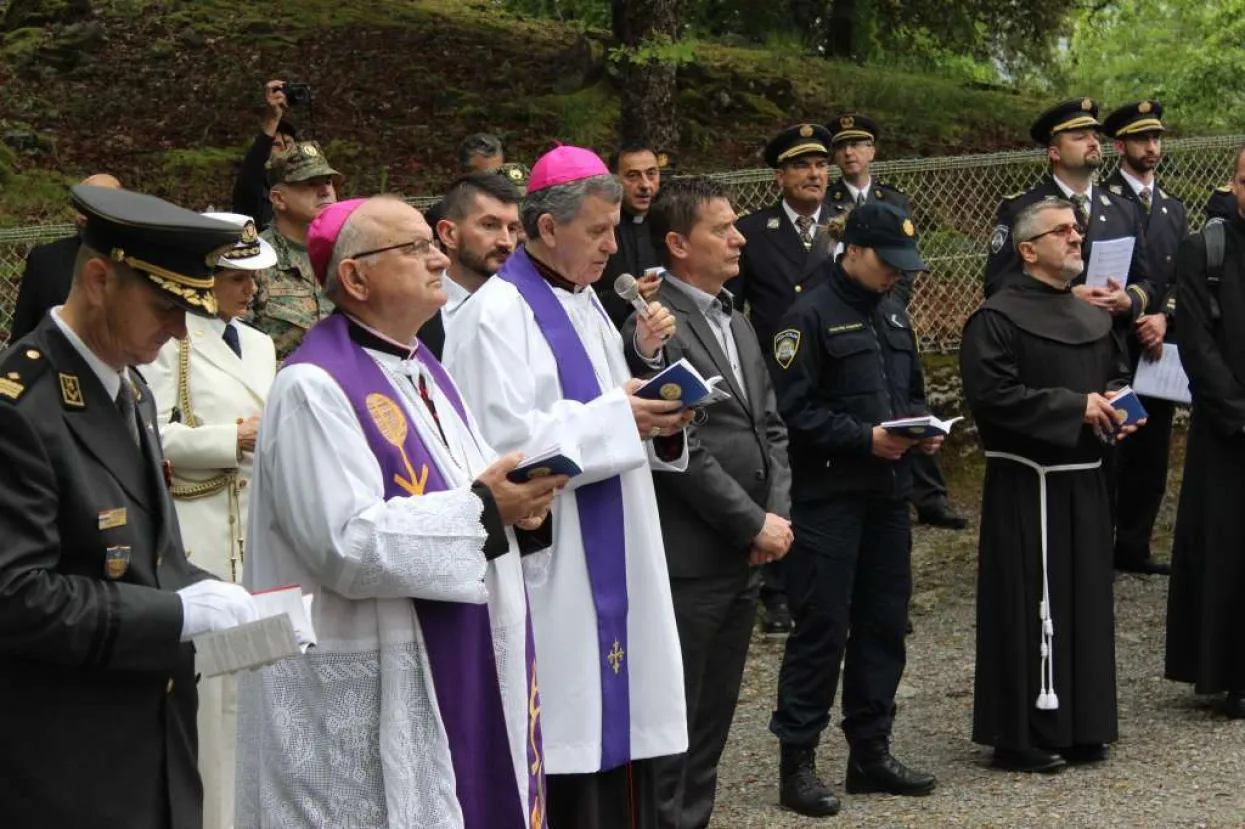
{"type": "Point", "coordinates": [1234, 705]}
{"type": "Point", "coordinates": [801, 789]}
{"type": "Point", "coordinates": [872, 768]}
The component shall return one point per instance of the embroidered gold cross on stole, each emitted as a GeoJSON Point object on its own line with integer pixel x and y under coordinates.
{"type": "Point", "coordinates": [616, 657]}
{"type": "Point", "coordinates": [533, 719]}
{"type": "Point", "coordinates": [391, 423]}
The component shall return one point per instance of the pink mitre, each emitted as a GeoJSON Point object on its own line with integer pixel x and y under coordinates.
{"type": "Point", "coordinates": [323, 232]}
{"type": "Point", "coordinates": [563, 164]}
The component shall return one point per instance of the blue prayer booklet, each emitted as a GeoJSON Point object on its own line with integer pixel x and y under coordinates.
{"type": "Point", "coordinates": [681, 381]}
{"type": "Point", "coordinates": [920, 427]}
{"type": "Point", "coordinates": [1128, 408]}
{"type": "Point", "coordinates": [551, 461]}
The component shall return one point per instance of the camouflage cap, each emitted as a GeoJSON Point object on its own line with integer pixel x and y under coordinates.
{"type": "Point", "coordinates": [305, 161]}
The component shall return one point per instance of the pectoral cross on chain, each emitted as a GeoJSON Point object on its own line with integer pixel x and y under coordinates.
{"type": "Point", "coordinates": [616, 657]}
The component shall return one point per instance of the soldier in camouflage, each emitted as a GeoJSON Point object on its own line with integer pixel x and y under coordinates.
{"type": "Point", "coordinates": [289, 300]}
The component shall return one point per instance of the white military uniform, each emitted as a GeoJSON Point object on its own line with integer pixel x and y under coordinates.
{"type": "Point", "coordinates": [202, 389]}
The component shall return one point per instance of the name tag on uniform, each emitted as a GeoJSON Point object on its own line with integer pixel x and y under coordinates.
{"type": "Point", "coordinates": [845, 327]}
{"type": "Point", "coordinates": [112, 518]}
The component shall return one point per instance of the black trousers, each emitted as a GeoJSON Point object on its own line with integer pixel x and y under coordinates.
{"type": "Point", "coordinates": [1141, 481]}
{"type": "Point", "coordinates": [929, 486]}
{"type": "Point", "coordinates": [849, 578]}
{"type": "Point", "coordinates": [714, 615]}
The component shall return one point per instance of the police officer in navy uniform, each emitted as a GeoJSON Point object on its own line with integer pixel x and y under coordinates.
{"type": "Point", "coordinates": [1221, 204]}
{"type": "Point", "coordinates": [97, 600]}
{"type": "Point", "coordinates": [844, 361]}
{"type": "Point", "coordinates": [853, 145]}
{"type": "Point", "coordinates": [774, 270]}
{"type": "Point", "coordinates": [1069, 132]}
{"type": "Point", "coordinates": [1141, 471]}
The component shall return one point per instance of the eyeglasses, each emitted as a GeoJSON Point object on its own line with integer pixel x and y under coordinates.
{"type": "Point", "coordinates": [418, 247]}
{"type": "Point", "coordinates": [1062, 231]}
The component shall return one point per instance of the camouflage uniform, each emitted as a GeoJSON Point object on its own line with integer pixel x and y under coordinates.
{"type": "Point", "coordinates": [288, 299]}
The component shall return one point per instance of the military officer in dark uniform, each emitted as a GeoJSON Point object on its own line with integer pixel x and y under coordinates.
{"type": "Point", "coordinates": [853, 144]}
{"type": "Point", "coordinates": [1069, 132]}
{"type": "Point", "coordinates": [1141, 470]}
{"type": "Point", "coordinates": [845, 361]}
{"type": "Point", "coordinates": [97, 600]}
{"type": "Point", "coordinates": [773, 271]}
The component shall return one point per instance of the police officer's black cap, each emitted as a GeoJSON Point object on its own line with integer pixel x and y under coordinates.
{"type": "Point", "coordinates": [852, 127]}
{"type": "Point", "coordinates": [1136, 118]}
{"type": "Point", "coordinates": [1072, 114]}
{"type": "Point", "coordinates": [793, 142]}
{"type": "Point", "coordinates": [888, 230]}
{"type": "Point", "coordinates": [176, 249]}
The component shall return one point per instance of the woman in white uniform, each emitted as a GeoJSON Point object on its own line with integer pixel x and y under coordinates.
{"type": "Point", "coordinates": [210, 389]}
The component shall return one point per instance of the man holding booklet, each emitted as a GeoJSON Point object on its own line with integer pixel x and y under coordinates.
{"type": "Point", "coordinates": [845, 362]}
{"type": "Point", "coordinates": [1037, 365]}
{"type": "Point", "coordinates": [729, 511]}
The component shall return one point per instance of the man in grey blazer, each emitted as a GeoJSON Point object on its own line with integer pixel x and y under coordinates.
{"type": "Point", "coordinates": [728, 513]}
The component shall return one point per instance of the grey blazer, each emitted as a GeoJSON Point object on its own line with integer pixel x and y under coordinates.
{"type": "Point", "coordinates": [737, 467]}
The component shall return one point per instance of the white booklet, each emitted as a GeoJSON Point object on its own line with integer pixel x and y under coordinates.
{"type": "Point", "coordinates": [1163, 378]}
{"type": "Point", "coordinates": [920, 427]}
{"type": "Point", "coordinates": [283, 630]}
{"type": "Point", "coordinates": [1109, 259]}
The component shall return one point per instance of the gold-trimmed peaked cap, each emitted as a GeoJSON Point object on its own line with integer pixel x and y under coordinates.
{"type": "Point", "coordinates": [174, 248]}
{"type": "Point", "coordinates": [852, 126]}
{"type": "Point", "coordinates": [1134, 119]}
{"type": "Point", "coordinates": [1072, 114]}
{"type": "Point", "coordinates": [793, 142]}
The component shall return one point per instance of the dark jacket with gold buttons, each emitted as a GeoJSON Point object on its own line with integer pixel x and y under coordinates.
{"type": "Point", "coordinates": [844, 360]}
{"type": "Point", "coordinates": [98, 690]}
{"type": "Point", "coordinates": [773, 268]}
{"type": "Point", "coordinates": [1166, 225]}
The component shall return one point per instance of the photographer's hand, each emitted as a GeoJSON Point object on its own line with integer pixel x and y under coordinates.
{"type": "Point", "coordinates": [274, 100]}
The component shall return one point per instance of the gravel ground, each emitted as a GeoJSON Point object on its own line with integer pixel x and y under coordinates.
{"type": "Point", "coordinates": [1177, 763]}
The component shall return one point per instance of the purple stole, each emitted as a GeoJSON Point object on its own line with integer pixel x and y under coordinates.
{"type": "Point", "coordinates": [457, 636]}
{"type": "Point", "coordinates": [601, 521]}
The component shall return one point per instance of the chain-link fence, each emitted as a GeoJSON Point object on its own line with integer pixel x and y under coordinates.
{"type": "Point", "coordinates": [954, 201]}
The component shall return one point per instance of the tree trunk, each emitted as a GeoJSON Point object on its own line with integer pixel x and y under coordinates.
{"type": "Point", "coordinates": [841, 33]}
{"type": "Point", "coordinates": [649, 96]}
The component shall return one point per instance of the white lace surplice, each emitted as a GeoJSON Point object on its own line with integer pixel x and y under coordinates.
{"type": "Point", "coordinates": [350, 735]}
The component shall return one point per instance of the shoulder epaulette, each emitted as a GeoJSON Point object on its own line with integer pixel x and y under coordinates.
{"type": "Point", "coordinates": [1013, 196]}
{"type": "Point", "coordinates": [19, 370]}
{"type": "Point", "coordinates": [1224, 189]}
{"type": "Point", "coordinates": [890, 186]}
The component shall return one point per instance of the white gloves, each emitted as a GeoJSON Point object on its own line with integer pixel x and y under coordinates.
{"type": "Point", "coordinates": [212, 605]}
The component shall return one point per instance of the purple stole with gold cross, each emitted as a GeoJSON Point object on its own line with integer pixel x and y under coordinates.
{"type": "Point", "coordinates": [457, 636]}
{"type": "Point", "coordinates": [601, 521]}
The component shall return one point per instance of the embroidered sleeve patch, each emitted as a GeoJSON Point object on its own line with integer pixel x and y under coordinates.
{"type": "Point", "coordinates": [786, 344]}
{"type": "Point", "coordinates": [998, 238]}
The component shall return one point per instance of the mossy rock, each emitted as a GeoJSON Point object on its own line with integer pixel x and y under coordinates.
{"type": "Point", "coordinates": [761, 106]}
{"type": "Point", "coordinates": [24, 13]}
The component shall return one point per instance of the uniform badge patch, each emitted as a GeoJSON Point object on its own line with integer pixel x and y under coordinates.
{"type": "Point", "coordinates": [1116, 189]}
{"type": "Point", "coordinates": [116, 561]}
{"type": "Point", "coordinates": [10, 388]}
{"type": "Point", "coordinates": [786, 344]}
{"type": "Point", "coordinates": [71, 391]}
{"type": "Point", "coordinates": [773, 224]}
{"type": "Point", "coordinates": [1103, 198]}
{"type": "Point", "coordinates": [110, 519]}
{"type": "Point", "coordinates": [998, 238]}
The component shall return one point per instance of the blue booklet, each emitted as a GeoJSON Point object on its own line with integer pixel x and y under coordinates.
{"type": "Point", "coordinates": [1128, 408]}
{"type": "Point", "coordinates": [551, 461]}
{"type": "Point", "coordinates": [681, 381]}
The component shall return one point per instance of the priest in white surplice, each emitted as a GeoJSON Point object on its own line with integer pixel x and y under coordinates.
{"type": "Point", "coordinates": [541, 364]}
{"type": "Point", "coordinates": [373, 491]}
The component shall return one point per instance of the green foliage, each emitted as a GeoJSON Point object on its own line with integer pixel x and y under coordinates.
{"type": "Point", "coordinates": [1193, 62]}
{"type": "Point", "coordinates": [660, 48]}
{"type": "Point", "coordinates": [587, 13]}
{"type": "Point", "coordinates": [34, 197]}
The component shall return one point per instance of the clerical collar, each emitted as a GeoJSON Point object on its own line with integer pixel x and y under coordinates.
{"type": "Point", "coordinates": [634, 218]}
{"type": "Point", "coordinates": [1137, 184]}
{"type": "Point", "coordinates": [1068, 192]}
{"type": "Point", "coordinates": [370, 338]}
{"type": "Point", "coordinates": [553, 277]}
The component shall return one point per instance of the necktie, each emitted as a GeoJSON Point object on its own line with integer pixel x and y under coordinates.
{"type": "Point", "coordinates": [432, 408]}
{"type": "Point", "coordinates": [231, 339]}
{"type": "Point", "coordinates": [1082, 210]}
{"type": "Point", "coordinates": [125, 405]}
{"type": "Point", "coordinates": [805, 225]}
{"type": "Point", "coordinates": [1145, 195]}
{"type": "Point", "coordinates": [860, 198]}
